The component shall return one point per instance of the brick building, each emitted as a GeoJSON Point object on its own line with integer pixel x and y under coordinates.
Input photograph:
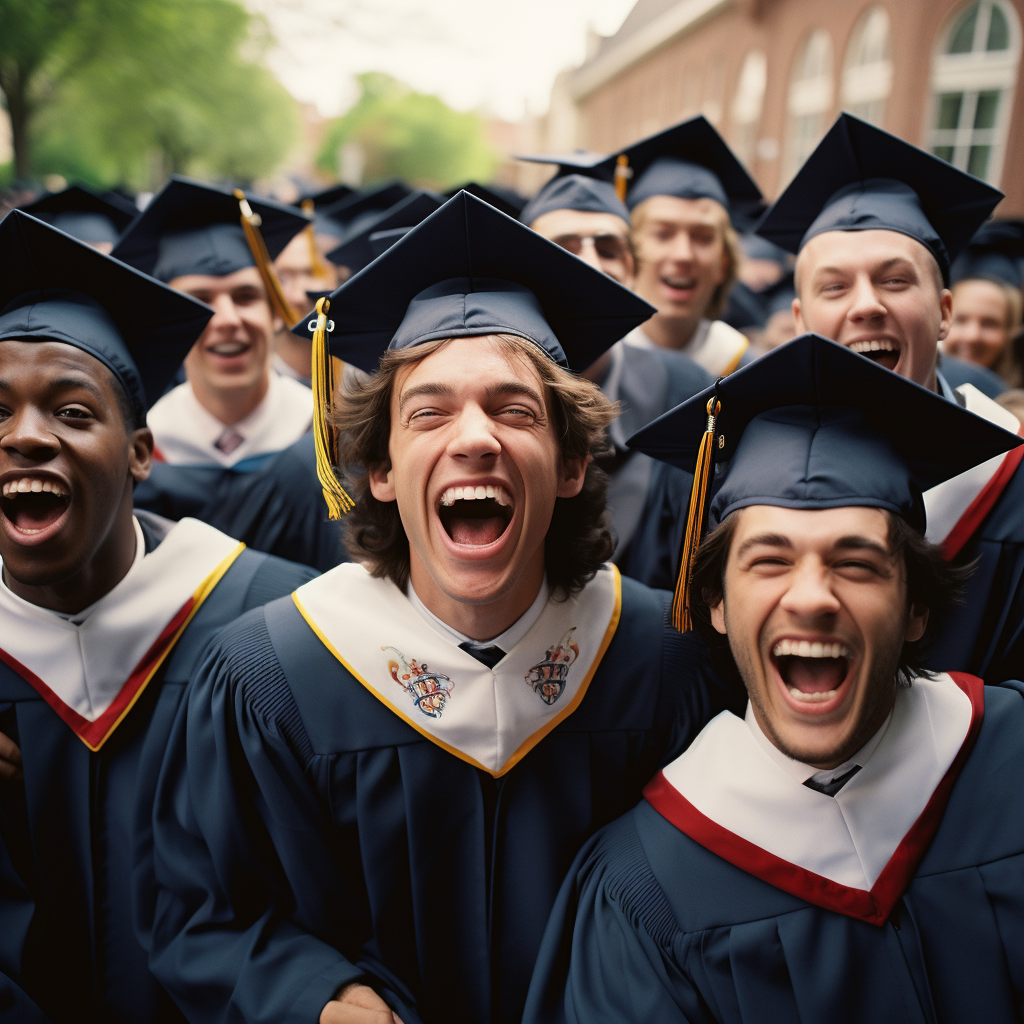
{"type": "Point", "coordinates": [773, 74]}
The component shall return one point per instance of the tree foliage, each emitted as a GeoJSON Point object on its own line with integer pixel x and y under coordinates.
{"type": "Point", "coordinates": [130, 90]}
{"type": "Point", "coordinates": [409, 135]}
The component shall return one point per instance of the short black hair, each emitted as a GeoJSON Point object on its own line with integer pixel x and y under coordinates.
{"type": "Point", "coordinates": [932, 582]}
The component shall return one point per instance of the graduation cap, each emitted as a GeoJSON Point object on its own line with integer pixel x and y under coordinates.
{"type": "Point", "coordinates": [861, 178]}
{"type": "Point", "coordinates": [508, 200]}
{"type": "Point", "coordinates": [83, 214]}
{"type": "Point", "coordinates": [468, 270]}
{"type": "Point", "coordinates": [575, 192]}
{"type": "Point", "coordinates": [53, 287]}
{"type": "Point", "coordinates": [326, 197]}
{"type": "Point", "coordinates": [995, 253]}
{"type": "Point", "coordinates": [779, 296]}
{"type": "Point", "coordinates": [380, 241]}
{"type": "Point", "coordinates": [355, 250]}
{"type": "Point", "coordinates": [593, 165]}
{"type": "Point", "coordinates": [191, 228]}
{"type": "Point", "coordinates": [812, 425]}
{"type": "Point", "coordinates": [372, 201]}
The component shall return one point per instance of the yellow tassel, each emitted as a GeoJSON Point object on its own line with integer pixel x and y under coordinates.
{"type": "Point", "coordinates": [316, 261]}
{"type": "Point", "coordinates": [622, 176]}
{"type": "Point", "coordinates": [338, 501]}
{"type": "Point", "coordinates": [695, 520]}
{"type": "Point", "coordinates": [264, 264]}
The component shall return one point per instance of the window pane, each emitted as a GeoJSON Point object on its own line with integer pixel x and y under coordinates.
{"type": "Point", "coordinates": [985, 112]}
{"type": "Point", "coordinates": [949, 109]}
{"type": "Point", "coordinates": [998, 31]}
{"type": "Point", "coordinates": [977, 162]}
{"type": "Point", "coordinates": [944, 153]}
{"type": "Point", "coordinates": [962, 38]}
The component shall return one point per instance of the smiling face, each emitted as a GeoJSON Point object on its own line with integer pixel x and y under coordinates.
{"type": "Point", "coordinates": [67, 463]}
{"type": "Point", "coordinates": [981, 327]}
{"type": "Point", "coordinates": [475, 469]}
{"type": "Point", "coordinates": [878, 293]}
{"type": "Point", "coordinates": [602, 239]}
{"type": "Point", "coordinates": [233, 352]}
{"type": "Point", "coordinates": [681, 254]}
{"type": "Point", "coordinates": [295, 270]}
{"type": "Point", "coordinates": [816, 612]}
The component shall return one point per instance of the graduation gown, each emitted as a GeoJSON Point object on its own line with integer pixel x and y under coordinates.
{"type": "Point", "coordinates": [978, 517]}
{"type": "Point", "coordinates": [361, 800]}
{"type": "Point", "coordinates": [671, 916]}
{"type": "Point", "coordinates": [68, 847]}
{"type": "Point", "coordinates": [274, 504]}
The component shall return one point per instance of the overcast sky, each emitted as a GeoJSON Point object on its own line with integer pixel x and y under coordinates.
{"type": "Point", "coordinates": [499, 55]}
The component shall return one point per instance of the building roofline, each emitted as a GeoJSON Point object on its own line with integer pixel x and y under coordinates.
{"type": "Point", "coordinates": [619, 56]}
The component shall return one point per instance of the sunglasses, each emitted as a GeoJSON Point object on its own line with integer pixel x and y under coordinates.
{"type": "Point", "coordinates": [607, 247]}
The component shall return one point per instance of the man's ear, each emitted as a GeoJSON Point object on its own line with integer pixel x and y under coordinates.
{"type": "Point", "coordinates": [382, 485]}
{"type": "Point", "coordinates": [801, 327]}
{"type": "Point", "coordinates": [574, 472]}
{"type": "Point", "coordinates": [140, 453]}
{"type": "Point", "coordinates": [718, 614]}
{"type": "Point", "coordinates": [917, 622]}
{"type": "Point", "coordinates": [946, 306]}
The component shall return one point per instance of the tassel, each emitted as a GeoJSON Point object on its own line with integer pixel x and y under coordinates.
{"type": "Point", "coordinates": [264, 264]}
{"type": "Point", "coordinates": [622, 176]}
{"type": "Point", "coordinates": [681, 618]}
{"type": "Point", "coordinates": [316, 261]}
{"type": "Point", "coordinates": [338, 501]}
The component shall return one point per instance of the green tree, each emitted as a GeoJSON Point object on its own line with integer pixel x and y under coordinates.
{"type": "Point", "coordinates": [131, 90]}
{"type": "Point", "coordinates": [409, 135]}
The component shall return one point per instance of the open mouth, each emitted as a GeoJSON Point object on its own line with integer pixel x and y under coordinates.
{"type": "Point", "coordinates": [229, 349]}
{"type": "Point", "coordinates": [32, 505]}
{"type": "Point", "coordinates": [679, 284]}
{"type": "Point", "coordinates": [475, 516]}
{"type": "Point", "coordinates": [812, 672]}
{"type": "Point", "coordinates": [879, 350]}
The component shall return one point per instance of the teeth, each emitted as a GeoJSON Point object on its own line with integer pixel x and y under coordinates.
{"type": "Point", "coordinates": [32, 485]}
{"type": "Point", "coordinates": [454, 494]}
{"type": "Point", "coordinates": [809, 649]}
{"type": "Point", "coordinates": [876, 345]}
{"type": "Point", "coordinates": [811, 698]}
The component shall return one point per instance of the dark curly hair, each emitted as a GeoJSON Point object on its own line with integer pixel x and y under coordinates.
{"type": "Point", "coordinates": [578, 541]}
{"type": "Point", "coordinates": [932, 582]}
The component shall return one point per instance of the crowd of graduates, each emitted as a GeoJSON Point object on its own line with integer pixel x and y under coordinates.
{"type": "Point", "coordinates": [602, 606]}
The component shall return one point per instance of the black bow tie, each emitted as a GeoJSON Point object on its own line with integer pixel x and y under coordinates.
{"type": "Point", "coordinates": [489, 656]}
{"type": "Point", "coordinates": [833, 787]}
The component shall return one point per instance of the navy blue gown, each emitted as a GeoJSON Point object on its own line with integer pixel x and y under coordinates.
{"type": "Point", "coordinates": [275, 506]}
{"type": "Point", "coordinates": [651, 926]}
{"type": "Point", "coordinates": [307, 837]}
{"type": "Point", "coordinates": [68, 843]}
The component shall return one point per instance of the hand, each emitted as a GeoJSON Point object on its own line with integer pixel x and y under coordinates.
{"type": "Point", "coordinates": [10, 759]}
{"type": "Point", "coordinates": [358, 1004]}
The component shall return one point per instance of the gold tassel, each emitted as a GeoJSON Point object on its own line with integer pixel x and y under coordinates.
{"type": "Point", "coordinates": [338, 501]}
{"type": "Point", "coordinates": [264, 264]}
{"type": "Point", "coordinates": [316, 261]}
{"type": "Point", "coordinates": [622, 176]}
{"type": "Point", "coordinates": [695, 519]}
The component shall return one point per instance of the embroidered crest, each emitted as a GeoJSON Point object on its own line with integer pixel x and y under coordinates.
{"type": "Point", "coordinates": [548, 677]}
{"type": "Point", "coordinates": [429, 690]}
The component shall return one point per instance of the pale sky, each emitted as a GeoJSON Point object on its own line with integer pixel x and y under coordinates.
{"type": "Point", "coordinates": [496, 55]}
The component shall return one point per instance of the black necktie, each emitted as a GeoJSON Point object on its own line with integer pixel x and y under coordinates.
{"type": "Point", "coordinates": [833, 787]}
{"type": "Point", "coordinates": [489, 656]}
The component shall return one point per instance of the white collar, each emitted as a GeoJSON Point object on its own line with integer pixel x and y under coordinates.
{"type": "Point", "coordinates": [490, 717]}
{"type": "Point", "coordinates": [92, 668]}
{"type": "Point", "coordinates": [506, 641]}
{"type": "Point", "coordinates": [802, 772]}
{"type": "Point", "coordinates": [186, 432]}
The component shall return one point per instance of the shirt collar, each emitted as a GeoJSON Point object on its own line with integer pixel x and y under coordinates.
{"type": "Point", "coordinates": [506, 641]}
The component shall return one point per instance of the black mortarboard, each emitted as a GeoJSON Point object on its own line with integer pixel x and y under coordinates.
{"type": "Point", "coordinates": [757, 248]}
{"type": "Point", "coordinates": [812, 425]}
{"type": "Point", "coordinates": [995, 253]}
{"type": "Point", "coordinates": [381, 241]}
{"type": "Point", "coordinates": [191, 228]}
{"type": "Point", "coordinates": [327, 196]}
{"type": "Point", "coordinates": [82, 214]}
{"type": "Point", "coordinates": [53, 287]}
{"type": "Point", "coordinates": [371, 201]}
{"type": "Point", "coordinates": [355, 250]}
{"type": "Point", "coordinates": [470, 270]}
{"type": "Point", "coordinates": [593, 165]}
{"type": "Point", "coordinates": [861, 178]}
{"type": "Point", "coordinates": [575, 192]}
{"type": "Point", "coordinates": [508, 200]}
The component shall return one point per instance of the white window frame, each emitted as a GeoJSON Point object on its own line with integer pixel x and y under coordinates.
{"type": "Point", "coordinates": [867, 83]}
{"type": "Point", "coordinates": [808, 97]}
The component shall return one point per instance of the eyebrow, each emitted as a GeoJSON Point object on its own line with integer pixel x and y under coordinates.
{"type": "Point", "coordinates": [503, 389]}
{"type": "Point", "coordinates": [65, 383]}
{"type": "Point", "coordinates": [887, 265]}
{"type": "Point", "coordinates": [851, 542]}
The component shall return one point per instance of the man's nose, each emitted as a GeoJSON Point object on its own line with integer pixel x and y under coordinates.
{"type": "Point", "coordinates": [865, 304]}
{"type": "Point", "coordinates": [225, 312]}
{"type": "Point", "coordinates": [27, 433]}
{"type": "Point", "coordinates": [474, 435]}
{"type": "Point", "coordinates": [810, 595]}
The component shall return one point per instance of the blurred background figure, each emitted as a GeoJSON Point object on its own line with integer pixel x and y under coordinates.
{"type": "Point", "coordinates": [79, 212]}
{"type": "Point", "coordinates": [988, 303]}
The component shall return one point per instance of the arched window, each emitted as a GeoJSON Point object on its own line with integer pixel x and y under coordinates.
{"type": "Point", "coordinates": [867, 69]}
{"type": "Point", "coordinates": [810, 98]}
{"type": "Point", "coordinates": [973, 74]}
{"type": "Point", "coordinates": [748, 103]}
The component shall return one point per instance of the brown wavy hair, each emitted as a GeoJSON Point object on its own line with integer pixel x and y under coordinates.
{"type": "Point", "coordinates": [578, 540]}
